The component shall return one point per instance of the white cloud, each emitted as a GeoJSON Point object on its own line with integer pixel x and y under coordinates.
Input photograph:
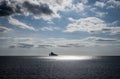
{"type": "Point", "coordinates": [85, 42]}
{"type": "Point", "coordinates": [101, 14]}
{"type": "Point", "coordinates": [111, 30]}
{"type": "Point", "coordinates": [50, 28]}
{"type": "Point", "coordinates": [99, 39]}
{"type": "Point", "coordinates": [92, 25]}
{"type": "Point", "coordinates": [108, 4]}
{"type": "Point", "coordinates": [115, 30]}
{"type": "Point", "coordinates": [113, 3]}
{"type": "Point", "coordinates": [78, 7]}
{"type": "Point", "coordinates": [115, 23]}
{"type": "Point", "coordinates": [89, 24]}
{"type": "Point", "coordinates": [62, 42]}
{"type": "Point", "coordinates": [71, 19]}
{"type": "Point", "coordinates": [98, 13]}
{"type": "Point", "coordinates": [99, 4]}
{"type": "Point", "coordinates": [84, 1]}
{"type": "Point", "coordinates": [19, 24]}
{"type": "Point", "coordinates": [4, 29]}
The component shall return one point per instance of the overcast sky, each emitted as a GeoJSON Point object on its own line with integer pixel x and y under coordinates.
{"type": "Point", "coordinates": [66, 27]}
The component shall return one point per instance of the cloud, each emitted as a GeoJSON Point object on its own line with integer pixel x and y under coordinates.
{"type": "Point", "coordinates": [57, 42]}
{"type": "Point", "coordinates": [99, 4]}
{"type": "Point", "coordinates": [111, 30]}
{"type": "Point", "coordinates": [37, 9]}
{"type": "Point", "coordinates": [108, 4]}
{"type": "Point", "coordinates": [50, 28]}
{"type": "Point", "coordinates": [89, 24]}
{"type": "Point", "coordinates": [20, 42]}
{"type": "Point", "coordinates": [5, 38]}
{"type": "Point", "coordinates": [67, 43]}
{"type": "Point", "coordinates": [86, 42]}
{"type": "Point", "coordinates": [100, 39]}
{"type": "Point", "coordinates": [78, 7]}
{"type": "Point", "coordinates": [73, 45]}
{"type": "Point", "coordinates": [25, 42]}
{"type": "Point", "coordinates": [5, 9]}
{"type": "Point", "coordinates": [25, 45]}
{"type": "Point", "coordinates": [100, 14]}
{"type": "Point", "coordinates": [67, 46]}
{"type": "Point", "coordinates": [9, 7]}
{"type": "Point", "coordinates": [92, 25]}
{"type": "Point", "coordinates": [44, 46]}
{"type": "Point", "coordinates": [115, 30]}
{"type": "Point", "coordinates": [4, 29]}
{"type": "Point", "coordinates": [23, 39]}
{"type": "Point", "coordinates": [115, 23]}
{"type": "Point", "coordinates": [112, 4]}
{"type": "Point", "coordinates": [45, 9]}
{"type": "Point", "coordinates": [12, 46]}
{"type": "Point", "coordinates": [19, 24]}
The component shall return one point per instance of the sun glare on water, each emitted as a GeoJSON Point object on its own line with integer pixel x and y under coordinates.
{"type": "Point", "coordinates": [69, 57]}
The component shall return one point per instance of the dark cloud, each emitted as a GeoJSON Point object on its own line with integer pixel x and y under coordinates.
{"type": "Point", "coordinates": [106, 29]}
{"type": "Point", "coordinates": [5, 9]}
{"type": "Point", "coordinates": [71, 45]}
{"type": "Point", "coordinates": [12, 46]}
{"type": "Point", "coordinates": [44, 46]}
{"type": "Point", "coordinates": [76, 45]}
{"type": "Point", "coordinates": [24, 45]}
{"type": "Point", "coordinates": [64, 46]}
{"type": "Point", "coordinates": [37, 9]}
{"type": "Point", "coordinates": [100, 39]}
{"type": "Point", "coordinates": [10, 7]}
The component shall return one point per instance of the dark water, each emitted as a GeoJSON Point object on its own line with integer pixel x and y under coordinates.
{"type": "Point", "coordinates": [39, 68]}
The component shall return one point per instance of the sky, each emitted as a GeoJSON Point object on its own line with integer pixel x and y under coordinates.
{"type": "Point", "coordinates": [66, 27]}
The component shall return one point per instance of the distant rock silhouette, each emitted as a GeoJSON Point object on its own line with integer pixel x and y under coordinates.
{"type": "Point", "coordinates": [52, 54]}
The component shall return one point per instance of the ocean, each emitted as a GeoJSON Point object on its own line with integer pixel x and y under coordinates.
{"type": "Point", "coordinates": [34, 67]}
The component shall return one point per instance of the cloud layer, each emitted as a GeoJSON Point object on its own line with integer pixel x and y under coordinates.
{"type": "Point", "coordinates": [59, 42]}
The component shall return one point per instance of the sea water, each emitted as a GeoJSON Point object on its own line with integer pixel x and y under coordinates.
{"type": "Point", "coordinates": [34, 67]}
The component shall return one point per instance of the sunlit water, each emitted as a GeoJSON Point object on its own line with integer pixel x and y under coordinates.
{"type": "Point", "coordinates": [68, 57]}
{"type": "Point", "coordinates": [60, 67]}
